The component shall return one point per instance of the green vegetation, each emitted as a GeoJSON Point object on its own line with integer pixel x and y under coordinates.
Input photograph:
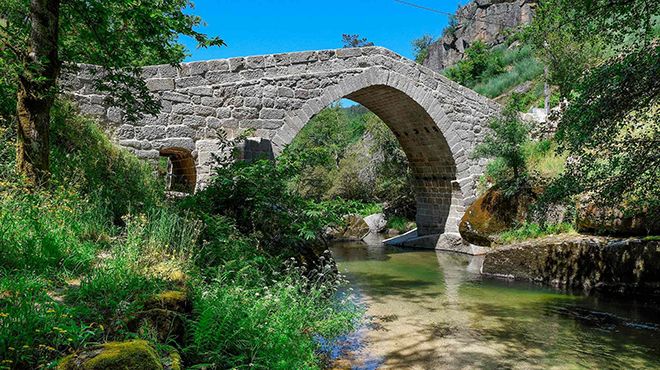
{"type": "Point", "coordinates": [350, 155]}
{"type": "Point", "coordinates": [506, 144]}
{"type": "Point", "coordinates": [531, 230]}
{"type": "Point", "coordinates": [81, 260]}
{"type": "Point", "coordinates": [421, 48]}
{"type": "Point", "coordinates": [41, 39]}
{"type": "Point", "coordinates": [495, 71]}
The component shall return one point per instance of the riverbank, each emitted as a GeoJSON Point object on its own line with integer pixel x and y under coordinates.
{"type": "Point", "coordinates": [606, 264]}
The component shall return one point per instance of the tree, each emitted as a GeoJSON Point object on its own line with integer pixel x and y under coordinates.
{"type": "Point", "coordinates": [604, 55]}
{"type": "Point", "coordinates": [506, 145]}
{"type": "Point", "coordinates": [421, 47]}
{"type": "Point", "coordinates": [40, 38]}
{"type": "Point", "coordinates": [354, 41]}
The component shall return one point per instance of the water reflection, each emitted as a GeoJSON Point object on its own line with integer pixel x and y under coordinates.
{"type": "Point", "coordinates": [431, 309]}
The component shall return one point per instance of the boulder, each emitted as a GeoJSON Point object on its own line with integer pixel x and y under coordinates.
{"type": "Point", "coordinates": [354, 228]}
{"type": "Point", "coordinates": [492, 213]}
{"type": "Point", "coordinates": [130, 355]}
{"type": "Point", "coordinates": [376, 222]}
{"type": "Point", "coordinates": [594, 219]}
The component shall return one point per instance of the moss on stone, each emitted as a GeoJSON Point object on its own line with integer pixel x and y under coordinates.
{"type": "Point", "coordinates": [131, 355]}
{"type": "Point", "coordinates": [173, 300]}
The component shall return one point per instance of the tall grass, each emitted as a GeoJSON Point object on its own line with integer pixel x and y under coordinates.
{"type": "Point", "coordinates": [522, 70]}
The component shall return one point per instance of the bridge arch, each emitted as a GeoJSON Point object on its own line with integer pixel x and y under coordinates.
{"type": "Point", "coordinates": [437, 121]}
{"type": "Point", "coordinates": [422, 136]}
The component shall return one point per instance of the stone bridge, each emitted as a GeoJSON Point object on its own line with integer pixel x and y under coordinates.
{"type": "Point", "coordinates": [437, 121]}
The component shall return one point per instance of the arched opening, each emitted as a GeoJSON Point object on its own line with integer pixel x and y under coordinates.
{"type": "Point", "coordinates": [178, 167]}
{"type": "Point", "coordinates": [428, 154]}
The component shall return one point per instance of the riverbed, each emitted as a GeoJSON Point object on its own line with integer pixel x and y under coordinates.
{"type": "Point", "coordinates": [433, 310]}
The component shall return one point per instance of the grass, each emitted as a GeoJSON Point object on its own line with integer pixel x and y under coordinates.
{"type": "Point", "coordinates": [519, 72]}
{"type": "Point", "coordinates": [79, 260]}
{"type": "Point", "coordinates": [399, 223]}
{"type": "Point", "coordinates": [531, 230]}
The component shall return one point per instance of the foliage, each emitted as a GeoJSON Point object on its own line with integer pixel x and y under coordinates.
{"type": "Point", "coordinates": [354, 41]}
{"type": "Point", "coordinates": [531, 230]}
{"type": "Point", "coordinates": [421, 48]}
{"type": "Point", "coordinates": [267, 325]}
{"type": "Point", "coordinates": [394, 180]}
{"type": "Point", "coordinates": [573, 36]}
{"type": "Point", "coordinates": [506, 145]}
{"type": "Point", "coordinates": [611, 130]}
{"type": "Point", "coordinates": [452, 26]}
{"type": "Point", "coordinates": [35, 328]}
{"type": "Point", "coordinates": [80, 260]}
{"type": "Point", "coordinates": [479, 63]}
{"type": "Point", "coordinates": [120, 36]}
{"type": "Point", "coordinates": [255, 197]}
{"type": "Point", "coordinates": [492, 72]}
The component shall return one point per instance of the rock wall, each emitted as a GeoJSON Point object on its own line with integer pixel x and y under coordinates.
{"type": "Point", "coordinates": [628, 265]}
{"type": "Point", "coordinates": [485, 20]}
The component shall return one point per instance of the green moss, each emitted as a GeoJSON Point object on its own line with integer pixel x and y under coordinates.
{"type": "Point", "coordinates": [132, 355]}
{"type": "Point", "coordinates": [174, 300]}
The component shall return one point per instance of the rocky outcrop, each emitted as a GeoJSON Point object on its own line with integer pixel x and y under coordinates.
{"type": "Point", "coordinates": [628, 265]}
{"type": "Point", "coordinates": [376, 222]}
{"type": "Point", "coordinates": [485, 20]}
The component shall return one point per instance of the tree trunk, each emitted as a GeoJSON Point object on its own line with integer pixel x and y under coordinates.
{"type": "Point", "coordinates": [36, 93]}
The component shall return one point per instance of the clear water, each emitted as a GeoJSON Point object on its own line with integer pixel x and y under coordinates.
{"type": "Point", "coordinates": [432, 310]}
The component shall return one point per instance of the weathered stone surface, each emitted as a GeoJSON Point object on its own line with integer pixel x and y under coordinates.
{"type": "Point", "coordinates": [437, 121]}
{"type": "Point", "coordinates": [484, 20]}
{"type": "Point", "coordinates": [490, 214]}
{"type": "Point", "coordinates": [601, 220]}
{"type": "Point", "coordinates": [376, 222]}
{"type": "Point", "coordinates": [628, 265]}
{"type": "Point", "coordinates": [354, 228]}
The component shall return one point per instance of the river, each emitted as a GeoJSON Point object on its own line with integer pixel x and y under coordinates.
{"type": "Point", "coordinates": [432, 310]}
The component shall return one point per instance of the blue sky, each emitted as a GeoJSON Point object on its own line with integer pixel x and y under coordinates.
{"type": "Point", "coordinates": [253, 27]}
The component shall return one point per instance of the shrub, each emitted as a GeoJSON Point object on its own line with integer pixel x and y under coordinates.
{"type": "Point", "coordinates": [506, 145]}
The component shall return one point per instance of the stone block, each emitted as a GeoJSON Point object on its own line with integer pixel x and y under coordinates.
{"type": "Point", "coordinates": [160, 84]}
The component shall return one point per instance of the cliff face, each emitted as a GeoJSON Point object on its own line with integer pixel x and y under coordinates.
{"type": "Point", "coordinates": [484, 20]}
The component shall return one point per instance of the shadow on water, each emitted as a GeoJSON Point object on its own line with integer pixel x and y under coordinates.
{"type": "Point", "coordinates": [428, 309]}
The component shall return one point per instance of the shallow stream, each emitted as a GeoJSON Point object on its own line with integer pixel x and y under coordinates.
{"type": "Point", "coordinates": [432, 310]}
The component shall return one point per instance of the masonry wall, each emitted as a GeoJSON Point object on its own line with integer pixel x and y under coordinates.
{"type": "Point", "coordinates": [437, 121]}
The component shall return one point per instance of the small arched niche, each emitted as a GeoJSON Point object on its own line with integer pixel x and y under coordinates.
{"type": "Point", "coordinates": [179, 169]}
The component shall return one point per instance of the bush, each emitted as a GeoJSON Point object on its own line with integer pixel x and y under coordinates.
{"type": "Point", "coordinates": [506, 145]}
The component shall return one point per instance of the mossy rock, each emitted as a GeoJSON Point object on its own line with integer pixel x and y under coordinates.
{"type": "Point", "coordinates": [160, 323]}
{"type": "Point", "coordinates": [131, 355]}
{"type": "Point", "coordinates": [493, 213]}
{"type": "Point", "coordinates": [173, 300]}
